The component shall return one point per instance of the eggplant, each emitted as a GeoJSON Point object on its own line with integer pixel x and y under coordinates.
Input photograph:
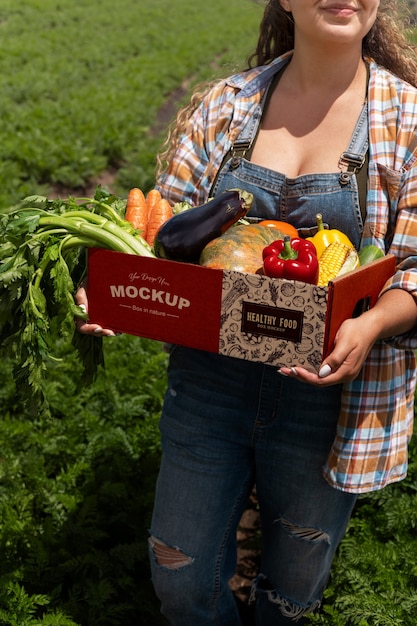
{"type": "Point", "coordinates": [183, 236]}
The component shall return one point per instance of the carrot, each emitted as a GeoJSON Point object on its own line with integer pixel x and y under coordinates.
{"type": "Point", "coordinates": [152, 198]}
{"type": "Point", "coordinates": [161, 213]}
{"type": "Point", "coordinates": [136, 211]}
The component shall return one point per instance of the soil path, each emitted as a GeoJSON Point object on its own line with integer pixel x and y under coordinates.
{"type": "Point", "coordinates": [164, 117]}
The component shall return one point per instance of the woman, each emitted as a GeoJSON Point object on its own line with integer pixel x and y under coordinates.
{"type": "Point", "coordinates": [327, 81]}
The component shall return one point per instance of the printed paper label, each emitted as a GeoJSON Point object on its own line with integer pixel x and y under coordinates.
{"type": "Point", "coordinates": [271, 321]}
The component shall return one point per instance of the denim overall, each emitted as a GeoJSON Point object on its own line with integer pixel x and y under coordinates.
{"type": "Point", "coordinates": [298, 200]}
{"type": "Point", "coordinates": [229, 424]}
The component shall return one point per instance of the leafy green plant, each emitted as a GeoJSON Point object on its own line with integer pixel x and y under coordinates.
{"type": "Point", "coordinates": [42, 259]}
{"type": "Point", "coordinates": [76, 492]}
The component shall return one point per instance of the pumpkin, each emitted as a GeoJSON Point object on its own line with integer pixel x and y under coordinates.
{"type": "Point", "coordinates": [239, 248]}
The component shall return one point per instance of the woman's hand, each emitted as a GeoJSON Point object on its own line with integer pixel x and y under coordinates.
{"type": "Point", "coordinates": [353, 342]}
{"type": "Point", "coordinates": [395, 313]}
{"type": "Point", "coordinates": [84, 326]}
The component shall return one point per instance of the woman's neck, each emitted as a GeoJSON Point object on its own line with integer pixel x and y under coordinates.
{"type": "Point", "coordinates": [325, 73]}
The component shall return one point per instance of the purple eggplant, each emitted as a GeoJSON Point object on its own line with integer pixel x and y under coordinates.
{"type": "Point", "coordinates": [183, 236]}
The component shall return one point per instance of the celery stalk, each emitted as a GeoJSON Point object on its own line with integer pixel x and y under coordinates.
{"type": "Point", "coordinates": [42, 260]}
{"type": "Point", "coordinates": [105, 233]}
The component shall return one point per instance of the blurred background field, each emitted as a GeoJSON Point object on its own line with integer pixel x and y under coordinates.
{"type": "Point", "coordinates": [87, 88]}
{"type": "Point", "coordinates": [82, 84]}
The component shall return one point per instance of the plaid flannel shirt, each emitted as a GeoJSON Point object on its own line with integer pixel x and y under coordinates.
{"type": "Point", "coordinates": [377, 410]}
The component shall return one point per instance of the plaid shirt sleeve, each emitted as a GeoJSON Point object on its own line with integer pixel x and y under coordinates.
{"type": "Point", "coordinates": [201, 148]}
{"type": "Point", "coordinates": [377, 412]}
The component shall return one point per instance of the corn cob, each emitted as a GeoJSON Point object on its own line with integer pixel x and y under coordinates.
{"type": "Point", "coordinates": [336, 259]}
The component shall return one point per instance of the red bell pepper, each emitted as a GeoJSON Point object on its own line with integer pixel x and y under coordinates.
{"type": "Point", "coordinates": [291, 258]}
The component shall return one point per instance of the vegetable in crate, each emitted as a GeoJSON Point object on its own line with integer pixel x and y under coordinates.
{"type": "Point", "coordinates": [283, 227]}
{"type": "Point", "coordinates": [324, 236]}
{"type": "Point", "coordinates": [291, 258]}
{"type": "Point", "coordinates": [184, 236]}
{"type": "Point", "coordinates": [147, 213]}
{"type": "Point", "coordinates": [369, 253]}
{"type": "Point", "coordinates": [158, 216]}
{"type": "Point", "coordinates": [42, 259]}
{"type": "Point", "coordinates": [152, 199]}
{"type": "Point", "coordinates": [137, 210]}
{"type": "Point", "coordinates": [240, 248]}
{"type": "Point", "coordinates": [337, 259]}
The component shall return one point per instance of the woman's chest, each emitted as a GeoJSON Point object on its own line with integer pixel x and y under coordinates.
{"type": "Point", "coordinates": [298, 138]}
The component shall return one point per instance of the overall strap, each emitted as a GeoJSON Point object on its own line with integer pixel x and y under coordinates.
{"type": "Point", "coordinates": [353, 159]}
{"type": "Point", "coordinates": [243, 144]}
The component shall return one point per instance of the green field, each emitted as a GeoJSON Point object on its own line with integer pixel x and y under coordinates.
{"type": "Point", "coordinates": [81, 83]}
{"type": "Point", "coordinates": [87, 89]}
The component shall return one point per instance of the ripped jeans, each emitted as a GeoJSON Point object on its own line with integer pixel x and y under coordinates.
{"type": "Point", "coordinates": [226, 426]}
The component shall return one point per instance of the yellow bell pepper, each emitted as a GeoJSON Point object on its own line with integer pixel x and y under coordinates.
{"type": "Point", "coordinates": [324, 236]}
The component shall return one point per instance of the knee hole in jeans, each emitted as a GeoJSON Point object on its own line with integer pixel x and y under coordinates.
{"type": "Point", "coordinates": [311, 534]}
{"type": "Point", "coordinates": [291, 610]}
{"type": "Point", "coordinates": [167, 556]}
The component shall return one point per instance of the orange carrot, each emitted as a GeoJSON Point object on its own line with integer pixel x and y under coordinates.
{"type": "Point", "coordinates": [161, 213]}
{"type": "Point", "coordinates": [152, 198]}
{"type": "Point", "coordinates": [136, 210]}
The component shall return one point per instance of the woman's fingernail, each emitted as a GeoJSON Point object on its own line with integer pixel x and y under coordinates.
{"type": "Point", "coordinates": [282, 373]}
{"type": "Point", "coordinates": [98, 330]}
{"type": "Point", "coordinates": [83, 307]}
{"type": "Point", "coordinates": [325, 371]}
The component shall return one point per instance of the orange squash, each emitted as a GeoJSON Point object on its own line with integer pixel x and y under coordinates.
{"type": "Point", "coordinates": [240, 248]}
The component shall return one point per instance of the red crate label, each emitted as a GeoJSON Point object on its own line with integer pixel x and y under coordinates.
{"type": "Point", "coordinates": [155, 299]}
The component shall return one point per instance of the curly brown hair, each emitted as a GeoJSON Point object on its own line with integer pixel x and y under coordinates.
{"type": "Point", "coordinates": [386, 43]}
